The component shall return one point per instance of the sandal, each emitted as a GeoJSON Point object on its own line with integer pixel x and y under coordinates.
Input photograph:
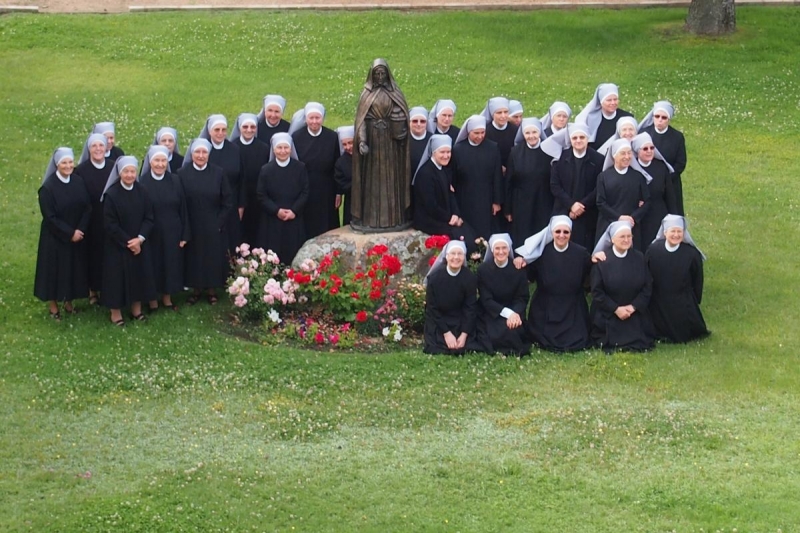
{"type": "Point", "coordinates": [55, 316]}
{"type": "Point", "coordinates": [212, 299]}
{"type": "Point", "coordinates": [193, 299]}
{"type": "Point", "coordinates": [141, 317]}
{"type": "Point", "coordinates": [119, 323]}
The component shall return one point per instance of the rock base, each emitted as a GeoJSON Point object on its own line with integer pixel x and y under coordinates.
{"type": "Point", "coordinates": [408, 245]}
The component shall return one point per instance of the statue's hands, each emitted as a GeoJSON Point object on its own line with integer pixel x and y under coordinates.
{"type": "Point", "coordinates": [363, 149]}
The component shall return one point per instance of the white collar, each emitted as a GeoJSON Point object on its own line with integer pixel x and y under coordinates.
{"type": "Point", "coordinates": [156, 176]}
{"type": "Point", "coordinates": [555, 128]}
{"type": "Point", "coordinates": [418, 138]}
{"type": "Point", "coordinates": [505, 264]}
{"type": "Point", "coordinates": [283, 164]}
{"type": "Point", "coordinates": [217, 146]}
{"type": "Point", "coordinates": [312, 133]}
{"type": "Point", "coordinates": [108, 154]}
{"type": "Point", "coordinates": [126, 187]}
{"type": "Point", "coordinates": [620, 255]}
{"type": "Point", "coordinates": [621, 171]}
{"type": "Point", "coordinates": [533, 147]}
{"type": "Point", "coordinates": [472, 143]}
{"type": "Point", "coordinates": [98, 166]}
{"type": "Point", "coordinates": [437, 165]}
{"type": "Point", "coordinates": [440, 132]}
{"type": "Point", "coordinates": [454, 274]}
{"type": "Point", "coordinates": [247, 143]}
{"type": "Point", "coordinates": [645, 165]}
{"type": "Point", "coordinates": [270, 125]}
{"type": "Point", "coordinates": [561, 250]}
{"type": "Point", "coordinates": [61, 178]}
{"type": "Point", "coordinates": [609, 117]}
{"type": "Point", "coordinates": [199, 168]}
{"type": "Point", "coordinates": [661, 132]}
{"type": "Point", "coordinates": [671, 248]}
{"type": "Point", "coordinates": [498, 127]}
{"type": "Point", "coordinates": [582, 154]}
{"type": "Point", "coordinates": [169, 157]}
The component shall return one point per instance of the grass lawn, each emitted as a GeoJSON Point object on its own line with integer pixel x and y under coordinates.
{"type": "Point", "coordinates": [174, 425]}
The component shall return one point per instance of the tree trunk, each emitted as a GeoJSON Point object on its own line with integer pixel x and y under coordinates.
{"type": "Point", "coordinates": [711, 17]}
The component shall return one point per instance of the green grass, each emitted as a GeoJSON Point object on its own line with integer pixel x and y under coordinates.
{"type": "Point", "coordinates": [185, 428]}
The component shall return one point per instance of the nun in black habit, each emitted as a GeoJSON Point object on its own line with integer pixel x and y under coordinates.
{"type": "Point", "coordinates": [558, 317]}
{"type": "Point", "coordinates": [440, 119]}
{"type": "Point", "coordinates": [529, 202]}
{"type": "Point", "coordinates": [451, 304]}
{"type": "Point", "coordinates": [573, 180]}
{"type": "Point", "coordinates": [94, 167]}
{"type": "Point", "coordinates": [108, 129]}
{"type": "Point", "coordinates": [61, 260]}
{"type": "Point", "coordinates": [270, 118]}
{"type": "Point", "coordinates": [343, 171]}
{"type": "Point", "coordinates": [622, 193]}
{"type": "Point", "coordinates": [283, 192]}
{"type": "Point", "coordinates": [621, 291]}
{"type": "Point", "coordinates": [127, 265]}
{"type": "Point", "coordinates": [658, 174]}
{"type": "Point", "coordinates": [477, 176]}
{"type": "Point", "coordinates": [676, 265]}
{"type": "Point", "coordinates": [601, 114]}
{"type": "Point", "coordinates": [436, 210]}
{"type": "Point", "coordinates": [318, 148]}
{"type": "Point", "coordinates": [418, 122]}
{"type": "Point", "coordinates": [669, 142]}
{"type": "Point", "coordinates": [225, 155]}
{"type": "Point", "coordinates": [171, 230]}
{"type": "Point", "coordinates": [254, 154]}
{"type": "Point", "coordinates": [502, 298]}
{"type": "Point", "coordinates": [498, 127]}
{"type": "Point", "coordinates": [208, 205]}
{"type": "Point", "coordinates": [168, 137]}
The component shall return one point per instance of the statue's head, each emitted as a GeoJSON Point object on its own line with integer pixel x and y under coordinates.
{"type": "Point", "coordinates": [380, 75]}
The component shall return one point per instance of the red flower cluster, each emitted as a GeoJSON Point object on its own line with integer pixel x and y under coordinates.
{"type": "Point", "coordinates": [436, 241]}
{"type": "Point", "coordinates": [361, 316]}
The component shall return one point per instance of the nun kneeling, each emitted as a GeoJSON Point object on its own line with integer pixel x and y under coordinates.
{"type": "Point", "coordinates": [503, 297]}
{"type": "Point", "coordinates": [127, 267]}
{"type": "Point", "coordinates": [451, 304]}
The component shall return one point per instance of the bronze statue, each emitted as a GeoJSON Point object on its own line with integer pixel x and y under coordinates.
{"type": "Point", "coordinates": [381, 190]}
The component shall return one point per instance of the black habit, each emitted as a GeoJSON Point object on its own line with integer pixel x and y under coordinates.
{"type": "Point", "coordinates": [451, 132]}
{"type": "Point", "coordinates": [95, 180]}
{"type": "Point", "coordinates": [574, 179]}
{"type": "Point", "coordinates": [343, 176]}
{"type": "Point", "coordinates": [662, 200]}
{"type": "Point", "coordinates": [616, 282]}
{"type": "Point", "coordinates": [416, 151]}
{"type": "Point", "coordinates": [607, 128]}
{"type": "Point", "coordinates": [254, 156]}
{"type": "Point", "coordinates": [499, 288]}
{"type": "Point", "coordinates": [115, 153]}
{"type": "Point", "coordinates": [265, 131]}
{"type": "Point", "coordinates": [61, 272]}
{"type": "Point", "coordinates": [618, 195]}
{"type": "Point", "coordinates": [127, 278]}
{"type": "Point", "coordinates": [208, 204]}
{"type": "Point", "coordinates": [478, 181]}
{"type": "Point", "coordinates": [451, 305]}
{"type": "Point", "coordinates": [672, 145]}
{"type": "Point", "coordinates": [528, 196]}
{"type": "Point", "coordinates": [677, 292]}
{"type": "Point", "coordinates": [175, 163]}
{"type": "Point", "coordinates": [558, 318]}
{"type": "Point", "coordinates": [435, 204]}
{"type": "Point", "coordinates": [319, 155]}
{"type": "Point", "coordinates": [229, 160]}
{"type": "Point", "coordinates": [171, 227]}
{"type": "Point", "coordinates": [504, 139]}
{"type": "Point", "coordinates": [282, 188]}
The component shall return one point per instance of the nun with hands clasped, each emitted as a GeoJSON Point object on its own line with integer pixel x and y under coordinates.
{"type": "Point", "coordinates": [451, 308]}
{"type": "Point", "coordinates": [621, 291]}
{"type": "Point", "coordinates": [129, 221]}
{"type": "Point", "coordinates": [254, 154]}
{"type": "Point", "coordinates": [502, 299]}
{"type": "Point", "coordinates": [658, 174]}
{"type": "Point", "coordinates": [61, 261]}
{"type": "Point", "coordinates": [558, 317]}
{"type": "Point", "coordinates": [436, 210]}
{"type": "Point", "coordinates": [171, 231]}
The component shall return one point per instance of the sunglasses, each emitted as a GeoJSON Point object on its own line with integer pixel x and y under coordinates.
{"type": "Point", "coordinates": [648, 148]}
{"type": "Point", "coordinates": [664, 117]}
{"type": "Point", "coordinates": [561, 232]}
{"type": "Point", "coordinates": [418, 121]}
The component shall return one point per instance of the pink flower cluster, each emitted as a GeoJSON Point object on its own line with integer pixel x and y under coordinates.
{"type": "Point", "coordinates": [275, 292]}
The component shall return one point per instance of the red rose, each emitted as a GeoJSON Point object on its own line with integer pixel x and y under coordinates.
{"type": "Point", "coordinates": [354, 295]}
{"type": "Point", "coordinates": [336, 253]}
{"type": "Point", "coordinates": [334, 290]}
{"type": "Point", "coordinates": [319, 338]}
{"type": "Point", "coordinates": [376, 294]}
{"type": "Point", "coordinates": [432, 260]}
{"type": "Point", "coordinates": [359, 276]}
{"type": "Point", "coordinates": [323, 284]}
{"type": "Point", "coordinates": [361, 316]}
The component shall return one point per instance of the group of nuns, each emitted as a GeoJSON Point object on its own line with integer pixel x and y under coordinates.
{"type": "Point", "coordinates": [124, 236]}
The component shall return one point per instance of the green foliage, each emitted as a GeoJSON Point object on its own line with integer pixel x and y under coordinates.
{"type": "Point", "coordinates": [184, 428]}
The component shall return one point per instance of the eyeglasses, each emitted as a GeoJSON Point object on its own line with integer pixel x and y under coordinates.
{"type": "Point", "coordinates": [418, 121]}
{"type": "Point", "coordinates": [662, 117]}
{"type": "Point", "coordinates": [561, 232]}
{"type": "Point", "coordinates": [648, 148]}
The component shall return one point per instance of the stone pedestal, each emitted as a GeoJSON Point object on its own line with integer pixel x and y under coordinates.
{"type": "Point", "coordinates": [408, 245]}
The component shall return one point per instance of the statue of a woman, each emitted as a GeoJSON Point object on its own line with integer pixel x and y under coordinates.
{"type": "Point", "coordinates": [381, 190]}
